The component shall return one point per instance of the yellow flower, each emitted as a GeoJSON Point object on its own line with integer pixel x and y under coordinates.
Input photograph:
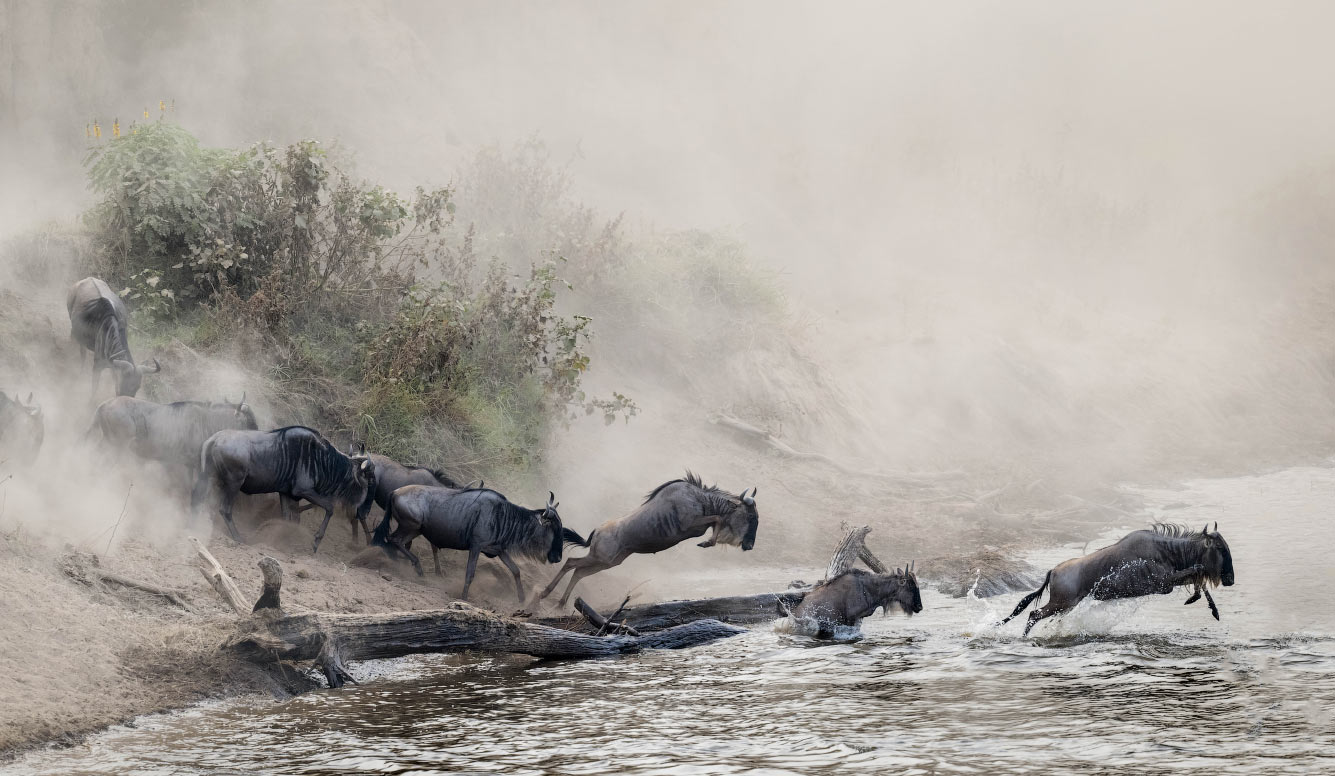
{"type": "Point", "coordinates": [97, 130]}
{"type": "Point", "coordinates": [162, 105]}
{"type": "Point", "coordinates": [87, 130]}
{"type": "Point", "coordinates": [145, 111]}
{"type": "Point", "coordinates": [116, 128]}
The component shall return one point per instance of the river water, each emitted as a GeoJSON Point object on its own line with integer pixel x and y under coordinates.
{"type": "Point", "coordinates": [1147, 686]}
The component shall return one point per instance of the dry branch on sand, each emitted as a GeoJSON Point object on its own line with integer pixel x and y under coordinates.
{"type": "Point", "coordinates": [83, 567]}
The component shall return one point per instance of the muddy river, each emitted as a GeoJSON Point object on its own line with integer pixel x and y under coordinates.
{"type": "Point", "coordinates": [1136, 687]}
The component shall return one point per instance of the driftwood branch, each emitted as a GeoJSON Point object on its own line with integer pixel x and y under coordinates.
{"type": "Point", "coordinates": [864, 554]}
{"type": "Point", "coordinates": [217, 577]}
{"type": "Point", "coordinates": [601, 623]}
{"type": "Point", "coordinates": [273, 583]}
{"type": "Point", "coordinates": [846, 554]}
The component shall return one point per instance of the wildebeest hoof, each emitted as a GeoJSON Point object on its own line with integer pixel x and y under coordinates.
{"type": "Point", "coordinates": [709, 543]}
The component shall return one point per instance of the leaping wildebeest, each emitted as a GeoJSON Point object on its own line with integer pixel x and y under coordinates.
{"type": "Point", "coordinates": [1146, 562]}
{"type": "Point", "coordinates": [99, 323]}
{"type": "Point", "coordinates": [171, 433]}
{"type": "Point", "coordinates": [674, 512]}
{"type": "Point", "coordinates": [478, 520]}
{"type": "Point", "coordinates": [295, 462]}
{"type": "Point", "coordinates": [855, 594]}
{"type": "Point", "coordinates": [21, 430]}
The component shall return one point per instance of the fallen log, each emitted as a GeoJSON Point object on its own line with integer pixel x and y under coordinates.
{"type": "Point", "coordinates": [737, 610]}
{"type": "Point", "coordinates": [332, 640]}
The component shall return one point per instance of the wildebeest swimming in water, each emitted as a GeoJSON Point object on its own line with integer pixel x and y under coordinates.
{"type": "Point", "coordinates": [674, 512]}
{"type": "Point", "coordinates": [22, 430]}
{"type": "Point", "coordinates": [478, 520]}
{"type": "Point", "coordinates": [295, 462]}
{"type": "Point", "coordinates": [1146, 562]}
{"type": "Point", "coordinates": [855, 594]}
{"type": "Point", "coordinates": [171, 433]}
{"type": "Point", "coordinates": [100, 324]}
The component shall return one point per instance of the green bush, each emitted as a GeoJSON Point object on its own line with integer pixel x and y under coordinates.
{"type": "Point", "coordinates": [279, 251]}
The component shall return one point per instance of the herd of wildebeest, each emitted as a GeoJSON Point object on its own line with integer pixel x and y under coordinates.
{"type": "Point", "coordinates": [225, 453]}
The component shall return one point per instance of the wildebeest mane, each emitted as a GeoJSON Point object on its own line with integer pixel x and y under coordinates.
{"type": "Point", "coordinates": [719, 500]}
{"type": "Point", "coordinates": [1176, 531]}
{"type": "Point", "coordinates": [330, 465]}
{"type": "Point", "coordinates": [519, 527]}
{"type": "Point", "coordinates": [1213, 573]}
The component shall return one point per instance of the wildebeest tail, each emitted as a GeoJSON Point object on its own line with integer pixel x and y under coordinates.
{"type": "Point", "coordinates": [381, 536]}
{"type": "Point", "coordinates": [200, 491]}
{"type": "Point", "coordinates": [443, 478]}
{"type": "Point", "coordinates": [1029, 599]}
{"type": "Point", "coordinates": [570, 537]}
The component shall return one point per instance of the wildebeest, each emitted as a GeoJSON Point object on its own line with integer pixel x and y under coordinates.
{"type": "Point", "coordinates": [390, 475]}
{"type": "Point", "coordinates": [1146, 562]}
{"type": "Point", "coordinates": [295, 462]}
{"type": "Point", "coordinates": [172, 433]}
{"type": "Point", "coordinates": [22, 430]}
{"type": "Point", "coordinates": [856, 594]}
{"type": "Point", "coordinates": [478, 520]}
{"type": "Point", "coordinates": [99, 323]}
{"type": "Point", "coordinates": [674, 512]}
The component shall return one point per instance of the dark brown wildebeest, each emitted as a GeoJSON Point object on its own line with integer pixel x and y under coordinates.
{"type": "Point", "coordinates": [855, 594]}
{"type": "Point", "coordinates": [171, 433]}
{"type": "Point", "coordinates": [295, 462]}
{"type": "Point", "coordinates": [1147, 562]}
{"type": "Point", "coordinates": [674, 512]}
{"type": "Point", "coordinates": [478, 520]}
{"type": "Point", "coordinates": [99, 323]}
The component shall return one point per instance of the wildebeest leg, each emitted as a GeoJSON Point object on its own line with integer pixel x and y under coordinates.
{"type": "Point", "coordinates": [229, 498]}
{"type": "Point", "coordinates": [324, 526]}
{"type": "Point", "coordinates": [1209, 600]}
{"type": "Point", "coordinates": [435, 556]}
{"type": "Point", "coordinates": [401, 543]}
{"type": "Point", "coordinates": [713, 537]}
{"type": "Point", "coordinates": [567, 566]}
{"type": "Point", "coordinates": [510, 564]}
{"type": "Point", "coordinates": [580, 573]}
{"type": "Point", "coordinates": [1041, 613]}
{"type": "Point", "coordinates": [286, 504]}
{"type": "Point", "coordinates": [468, 573]}
{"type": "Point", "coordinates": [1195, 596]}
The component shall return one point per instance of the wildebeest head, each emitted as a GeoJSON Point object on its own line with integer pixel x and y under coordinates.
{"type": "Point", "coordinates": [130, 376]}
{"type": "Point", "coordinates": [738, 526]}
{"type": "Point", "coordinates": [906, 594]}
{"type": "Point", "coordinates": [245, 416]}
{"type": "Point", "coordinates": [1215, 557]}
{"type": "Point", "coordinates": [551, 521]}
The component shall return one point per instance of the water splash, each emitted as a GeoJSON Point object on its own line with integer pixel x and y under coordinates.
{"type": "Point", "coordinates": [811, 626]}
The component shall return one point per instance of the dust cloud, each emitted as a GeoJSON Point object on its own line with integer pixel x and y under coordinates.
{"type": "Point", "coordinates": [1043, 241]}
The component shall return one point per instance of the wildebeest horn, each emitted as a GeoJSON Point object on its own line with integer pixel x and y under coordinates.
{"type": "Point", "coordinates": [144, 370]}
{"type": "Point", "coordinates": [1205, 530]}
{"type": "Point", "coordinates": [749, 500]}
{"type": "Point", "coordinates": [123, 366]}
{"type": "Point", "coordinates": [551, 500]}
{"type": "Point", "coordinates": [1216, 523]}
{"type": "Point", "coordinates": [241, 403]}
{"type": "Point", "coordinates": [361, 448]}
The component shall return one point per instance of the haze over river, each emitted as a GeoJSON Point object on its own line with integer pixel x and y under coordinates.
{"type": "Point", "coordinates": [1146, 686]}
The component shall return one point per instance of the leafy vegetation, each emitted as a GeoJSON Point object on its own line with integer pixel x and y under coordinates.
{"type": "Point", "coordinates": [371, 313]}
